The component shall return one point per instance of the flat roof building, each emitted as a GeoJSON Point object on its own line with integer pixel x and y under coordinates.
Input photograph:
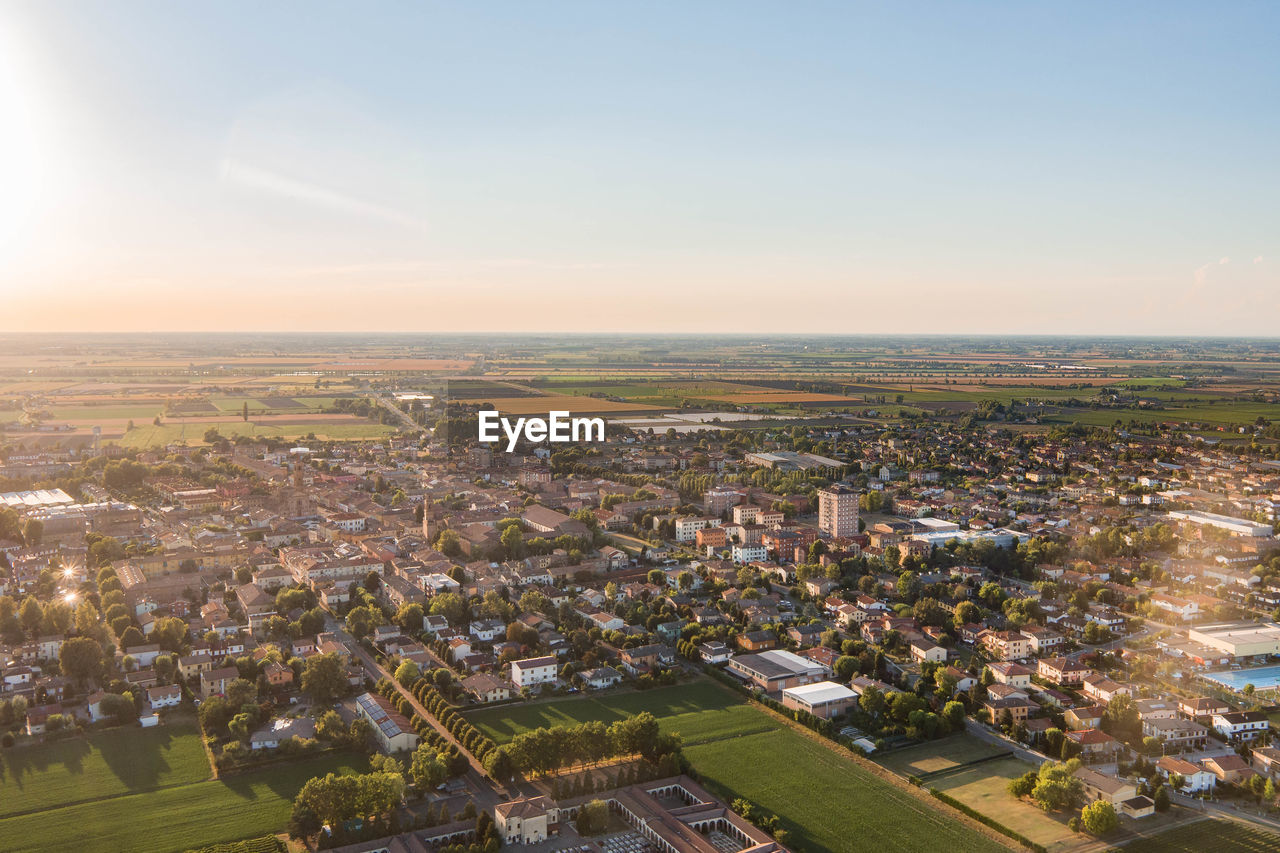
{"type": "Point", "coordinates": [1238, 526]}
{"type": "Point", "coordinates": [778, 670]}
{"type": "Point", "coordinates": [1240, 640]}
{"type": "Point", "coordinates": [824, 699]}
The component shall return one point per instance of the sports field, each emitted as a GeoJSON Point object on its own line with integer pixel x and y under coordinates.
{"type": "Point", "coordinates": [828, 802]}
{"type": "Point", "coordinates": [175, 818]}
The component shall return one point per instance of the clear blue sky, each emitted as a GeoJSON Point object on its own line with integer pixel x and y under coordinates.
{"type": "Point", "coordinates": [732, 166]}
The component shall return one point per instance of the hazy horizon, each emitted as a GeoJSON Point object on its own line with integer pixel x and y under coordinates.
{"type": "Point", "coordinates": [821, 168]}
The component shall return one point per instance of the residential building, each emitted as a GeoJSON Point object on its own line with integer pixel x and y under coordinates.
{"type": "Point", "coordinates": [532, 672]}
{"type": "Point", "coordinates": [838, 511]}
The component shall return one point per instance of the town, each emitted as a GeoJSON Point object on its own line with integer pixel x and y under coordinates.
{"type": "Point", "coordinates": [1021, 630]}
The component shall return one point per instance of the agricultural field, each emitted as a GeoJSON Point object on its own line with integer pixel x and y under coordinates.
{"type": "Point", "coordinates": [1223, 413]}
{"type": "Point", "coordinates": [1220, 836]}
{"type": "Point", "coordinates": [107, 764]}
{"type": "Point", "coordinates": [740, 751]}
{"type": "Point", "coordinates": [175, 818]}
{"type": "Point", "coordinates": [325, 427]}
{"type": "Point", "coordinates": [566, 403]}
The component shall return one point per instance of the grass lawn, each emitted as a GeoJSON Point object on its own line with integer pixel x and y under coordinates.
{"type": "Point", "coordinates": [985, 788]}
{"type": "Point", "coordinates": [173, 819]}
{"type": "Point", "coordinates": [826, 800]}
{"type": "Point", "coordinates": [700, 711]}
{"type": "Point", "coordinates": [937, 755]}
{"type": "Point", "coordinates": [982, 787]}
{"type": "Point", "coordinates": [1220, 836]}
{"type": "Point", "coordinates": [107, 764]}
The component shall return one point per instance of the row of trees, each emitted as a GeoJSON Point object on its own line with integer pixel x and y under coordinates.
{"type": "Point", "coordinates": [546, 750]}
{"type": "Point", "coordinates": [333, 800]}
{"type": "Point", "coordinates": [471, 738]}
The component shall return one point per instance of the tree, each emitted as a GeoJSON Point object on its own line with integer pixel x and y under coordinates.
{"type": "Point", "coordinates": [846, 667]}
{"type": "Point", "coordinates": [131, 637]}
{"type": "Point", "coordinates": [928, 611]}
{"type": "Point", "coordinates": [244, 412]}
{"type": "Point", "coordinates": [303, 822]}
{"type": "Point", "coordinates": [1053, 739]}
{"type": "Point", "coordinates": [169, 632]}
{"type": "Point", "coordinates": [409, 617]}
{"type": "Point", "coordinates": [330, 726]}
{"type": "Point", "coordinates": [499, 764]}
{"type": "Point", "coordinates": [362, 620]}
{"type": "Point", "coordinates": [1057, 787]}
{"type": "Point", "coordinates": [407, 673]}
{"type": "Point", "coordinates": [32, 615]}
{"type": "Point", "coordinates": [450, 605]}
{"type": "Point", "coordinates": [967, 612]}
{"type": "Point", "coordinates": [1162, 798]}
{"type": "Point", "coordinates": [32, 532]}
{"type": "Point", "coordinates": [512, 539]}
{"type": "Point", "coordinates": [239, 726]}
{"type": "Point", "coordinates": [992, 595]}
{"type": "Point", "coordinates": [81, 659]}
{"type": "Point", "coordinates": [1121, 720]}
{"type": "Point", "coordinates": [1023, 785]}
{"type": "Point", "coordinates": [241, 692]}
{"type": "Point", "coordinates": [324, 678]}
{"type": "Point", "coordinates": [448, 543]}
{"type": "Point", "coordinates": [119, 707]}
{"type": "Point", "coordinates": [593, 818]}
{"type": "Point", "coordinates": [426, 769]}
{"type": "Point", "coordinates": [1099, 817]}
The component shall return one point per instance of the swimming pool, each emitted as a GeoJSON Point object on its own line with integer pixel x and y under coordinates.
{"type": "Point", "coordinates": [1261, 677]}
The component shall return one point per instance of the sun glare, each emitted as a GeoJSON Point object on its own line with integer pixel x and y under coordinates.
{"type": "Point", "coordinates": [22, 158]}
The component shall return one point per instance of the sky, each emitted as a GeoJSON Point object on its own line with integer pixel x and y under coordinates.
{"type": "Point", "coordinates": [1020, 168]}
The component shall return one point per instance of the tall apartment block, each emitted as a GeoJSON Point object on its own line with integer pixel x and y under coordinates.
{"type": "Point", "coordinates": [838, 510]}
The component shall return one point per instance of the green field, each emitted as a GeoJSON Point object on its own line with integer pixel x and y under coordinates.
{"type": "Point", "coordinates": [700, 712]}
{"type": "Point", "coordinates": [937, 756]}
{"type": "Point", "coordinates": [827, 801]}
{"type": "Point", "coordinates": [1220, 836]}
{"type": "Point", "coordinates": [174, 818]}
{"type": "Point", "coordinates": [109, 764]}
{"type": "Point", "coordinates": [985, 788]}
{"type": "Point", "coordinates": [1224, 413]}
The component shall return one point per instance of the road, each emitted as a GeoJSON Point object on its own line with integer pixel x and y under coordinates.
{"type": "Point", "coordinates": [407, 422]}
{"type": "Point", "coordinates": [1226, 809]}
{"type": "Point", "coordinates": [985, 735]}
{"type": "Point", "coordinates": [477, 777]}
